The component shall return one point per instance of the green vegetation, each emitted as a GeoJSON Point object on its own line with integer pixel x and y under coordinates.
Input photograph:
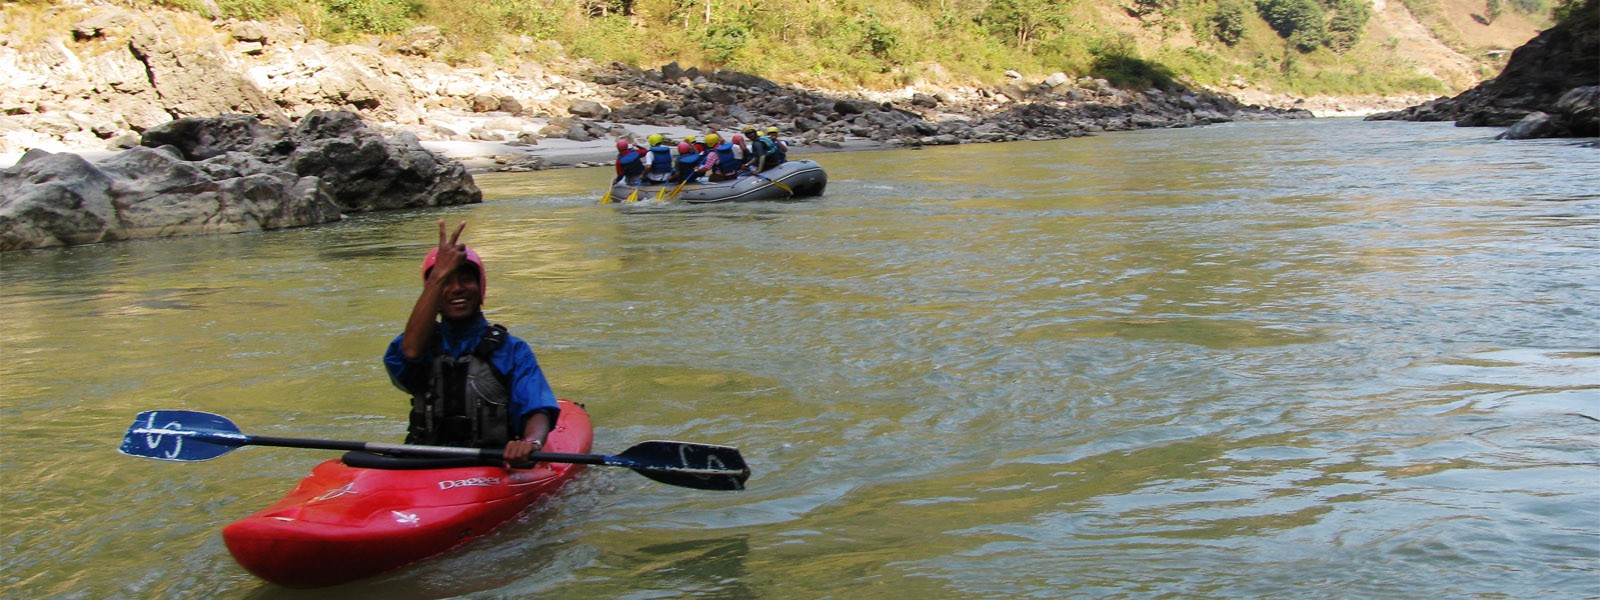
{"type": "Point", "coordinates": [1304, 46]}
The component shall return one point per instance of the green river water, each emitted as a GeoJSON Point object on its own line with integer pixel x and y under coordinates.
{"type": "Point", "coordinates": [1311, 359]}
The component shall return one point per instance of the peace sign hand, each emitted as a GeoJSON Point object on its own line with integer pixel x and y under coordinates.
{"type": "Point", "coordinates": [451, 254]}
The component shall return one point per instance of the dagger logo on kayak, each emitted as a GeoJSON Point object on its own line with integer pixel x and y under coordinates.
{"type": "Point", "coordinates": [473, 482]}
{"type": "Point", "coordinates": [405, 518]}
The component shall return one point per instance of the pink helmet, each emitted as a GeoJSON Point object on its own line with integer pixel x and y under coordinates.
{"type": "Point", "coordinates": [622, 144]}
{"type": "Point", "coordinates": [738, 139]}
{"type": "Point", "coordinates": [472, 257]}
{"type": "Point", "coordinates": [683, 147]}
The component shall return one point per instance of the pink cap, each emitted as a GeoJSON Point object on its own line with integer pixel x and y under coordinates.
{"type": "Point", "coordinates": [472, 257]}
{"type": "Point", "coordinates": [622, 144]}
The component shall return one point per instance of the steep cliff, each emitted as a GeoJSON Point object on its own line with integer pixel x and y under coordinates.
{"type": "Point", "coordinates": [1548, 88]}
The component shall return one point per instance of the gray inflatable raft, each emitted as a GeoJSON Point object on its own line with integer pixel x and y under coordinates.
{"type": "Point", "coordinates": [792, 179]}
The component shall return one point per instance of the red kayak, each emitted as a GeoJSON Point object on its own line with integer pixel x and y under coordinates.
{"type": "Point", "coordinates": [344, 522]}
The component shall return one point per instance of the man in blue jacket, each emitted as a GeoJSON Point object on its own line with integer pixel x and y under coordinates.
{"type": "Point", "coordinates": [472, 384]}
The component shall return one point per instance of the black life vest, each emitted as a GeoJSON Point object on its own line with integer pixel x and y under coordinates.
{"type": "Point", "coordinates": [466, 401]}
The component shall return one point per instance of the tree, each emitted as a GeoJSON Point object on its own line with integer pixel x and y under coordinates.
{"type": "Point", "coordinates": [1349, 20]}
{"type": "Point", "coordinates": [1023, 20]}
{"type": "Point", "coordinates": [1299, 21]}
{"type": "Point", "coordinates": [1227, 23]}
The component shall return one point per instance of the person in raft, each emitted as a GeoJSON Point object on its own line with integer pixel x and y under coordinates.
{"type": "Point", "coordinates": [472, 384]}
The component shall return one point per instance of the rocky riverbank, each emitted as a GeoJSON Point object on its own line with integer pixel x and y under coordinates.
{"type": "Point", "coordinates": [223, 175]}
{"type": "Point", "coordinates": [1549, 88]}
{"type": "Point", "coordinates": [119, 72]}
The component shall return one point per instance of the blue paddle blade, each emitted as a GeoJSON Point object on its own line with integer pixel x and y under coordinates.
{"type": "Point", "coordinates": [181, 435]}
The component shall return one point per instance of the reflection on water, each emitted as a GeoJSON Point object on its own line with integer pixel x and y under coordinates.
{"type": "Point", "coordinates": [1329, 358]}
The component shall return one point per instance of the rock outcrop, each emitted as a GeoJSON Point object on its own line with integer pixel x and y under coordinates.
{"type": "Point", "coordinates": [221, 175]}
{"type": "Point", "coordinates": [1057, 107]}
{"type": "Point", "coordinates": [1549, 87]}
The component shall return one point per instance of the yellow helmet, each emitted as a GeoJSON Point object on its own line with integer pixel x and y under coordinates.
{"type": "Point", "coordinates": [688, 138]}
{"type": "Point", "coordinates": [772, 130]}
{"type": "Point", "coordinates": [655, 139]}
{"type": "Point", "coordinates": [713, 139]}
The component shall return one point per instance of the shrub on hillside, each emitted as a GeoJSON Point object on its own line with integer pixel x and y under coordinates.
{"type": "Point", "coordinates": [1227, 23]}
{"type": "Point", "coordinates": [1299, 21]}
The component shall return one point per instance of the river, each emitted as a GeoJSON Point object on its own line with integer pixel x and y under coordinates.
{"type": "Point", "coordinates": [1318, 359]}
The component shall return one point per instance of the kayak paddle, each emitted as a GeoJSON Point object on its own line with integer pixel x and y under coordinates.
{"type": "Point", "coordinates": [189, 436]}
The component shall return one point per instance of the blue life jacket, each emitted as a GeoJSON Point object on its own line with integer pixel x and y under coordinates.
{"type": "Point", "coordinates": [686, 164]}
{"type": "Point", "coordinates": [660, 159]}
{"type": "Point", "coordinates": [630, 162]}
{"type": "Point", "coordinates": [727, 164]}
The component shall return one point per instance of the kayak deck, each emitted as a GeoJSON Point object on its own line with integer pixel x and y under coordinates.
{"type": "Point", "coordinates": [343, 523]}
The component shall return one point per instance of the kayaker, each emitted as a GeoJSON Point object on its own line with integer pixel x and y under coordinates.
{"type": "Point", "coordinates": [472, 384]}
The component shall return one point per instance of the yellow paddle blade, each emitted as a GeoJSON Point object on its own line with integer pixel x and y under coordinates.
{"type": "Point", "coordinates": [675, 190]}
{"type": "Point", "coordinates": [607, 198]}
{"type": "Point", "coordinates": [634, 197]}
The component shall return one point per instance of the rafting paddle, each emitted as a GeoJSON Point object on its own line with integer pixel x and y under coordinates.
{"type": "Point", "coordinates": [188, 436]}
{"type": "Point", "coordinates": [675, 190]}
{"type": "Point", "coordinates": [775, 182]}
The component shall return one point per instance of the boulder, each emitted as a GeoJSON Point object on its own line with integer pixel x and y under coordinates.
{"type": "Point", "coordinates": [1535, 125]}
{"type": "Point", "coordinates": [589, 109]}
{"type": "Point", "coordinates": [224, 174]}
{"type": "Point", "coordinates": [61, 199]}
{"type": "Point", "coordinates": [1579, 106]}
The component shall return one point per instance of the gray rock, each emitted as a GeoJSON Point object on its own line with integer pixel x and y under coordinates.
{"type": "Point", "coordinates": [578, 133]}
{"type": "Point", "coordinates": [61, 199]}
{"type": "Point", "coordinates": [1579, 106]}
{"type": "Point", "coordinates": [225, 174]}
{"type": "Point", "coordinates": [1535, 125]}
{"type": "Point", "coordinates": [195, 81]}
{"type": "Point", "coordinates": [199, 138]}
{"type": "Point", "coordinates": [589, 109]}
{"type": "Point", "coordinates": [671, 71]}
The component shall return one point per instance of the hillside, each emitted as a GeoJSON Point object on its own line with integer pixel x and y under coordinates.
{"type": "Point", "coordinates": [74, 82]}
{"type": "Point", "coordinates": [1395, 46]}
